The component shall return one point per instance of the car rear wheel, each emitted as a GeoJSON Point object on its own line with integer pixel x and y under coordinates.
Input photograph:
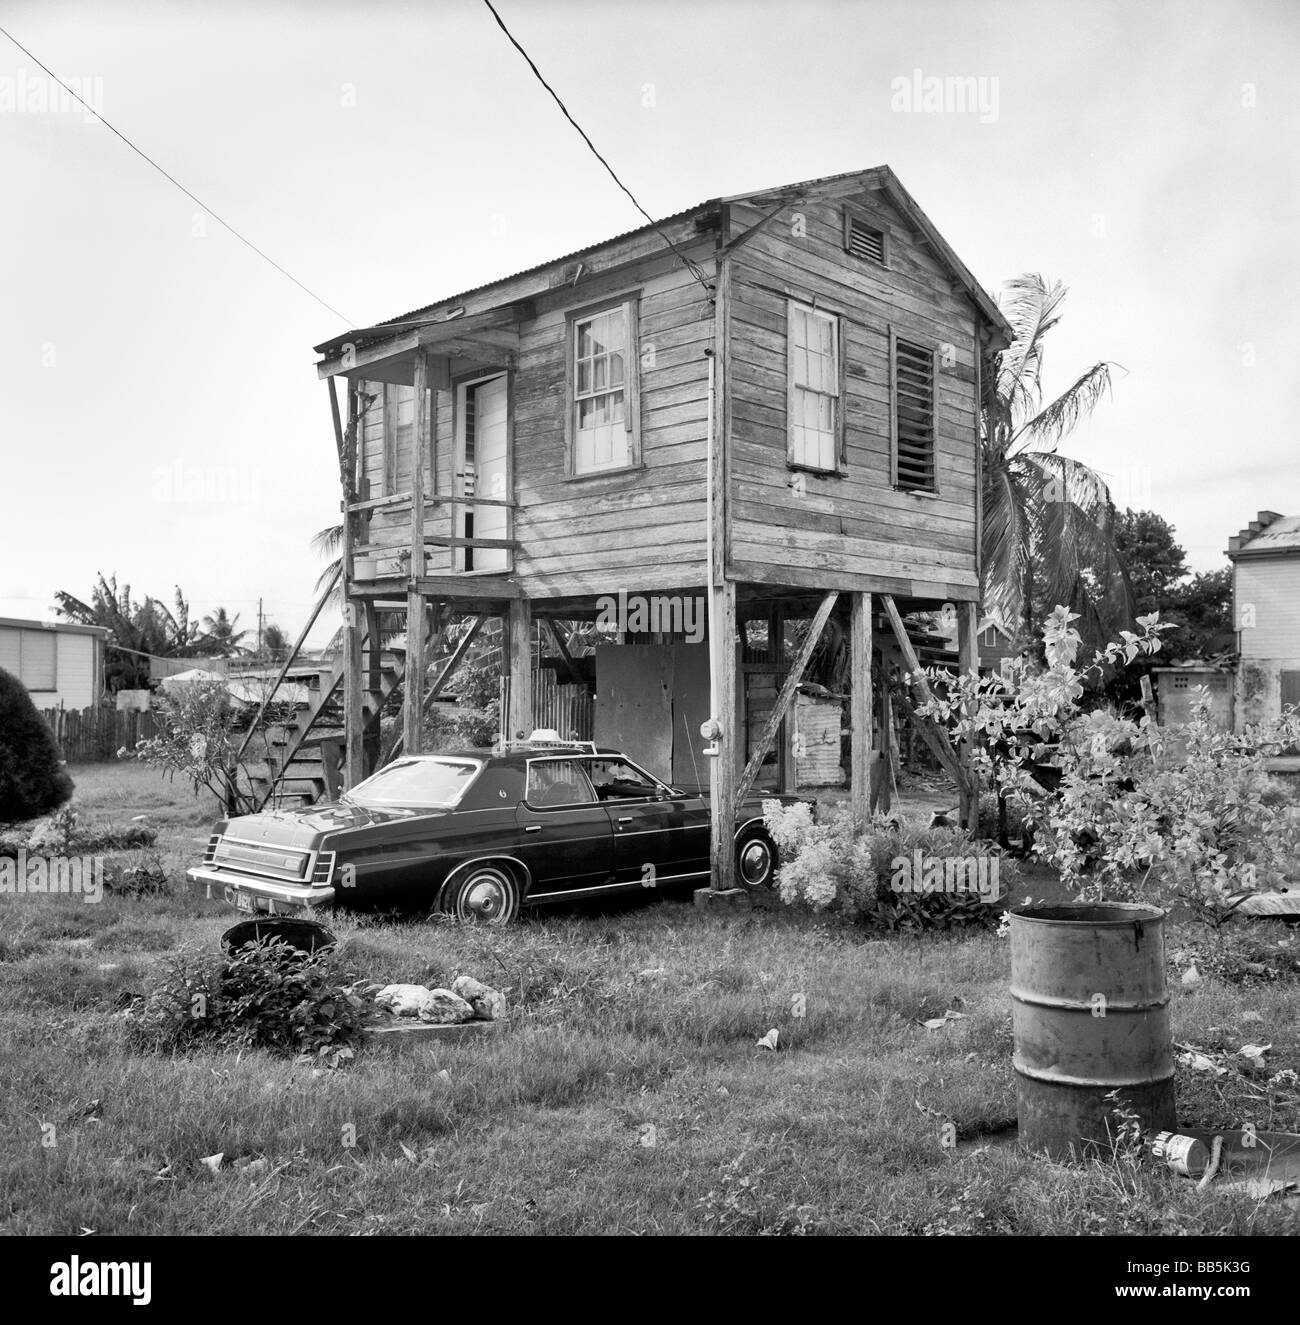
{"type": "Point", "coordinates": [756, 859]}
{"type": "Point", "coordinates": [485, 895]}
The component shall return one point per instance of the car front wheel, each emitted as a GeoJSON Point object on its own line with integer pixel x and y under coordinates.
{"type": "Point", "coordinates": [486, 895]}
{"type": "Point", "coordinates": [756, 859]}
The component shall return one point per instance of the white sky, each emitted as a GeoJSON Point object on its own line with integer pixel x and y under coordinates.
{"type": "Point", "coordinates": [1124, 158]}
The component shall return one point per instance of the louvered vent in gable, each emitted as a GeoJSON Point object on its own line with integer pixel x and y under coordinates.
{"type": "Point", "coordinates": [914, 417]}
{"type": "Point", "coordinates": [863, 240]}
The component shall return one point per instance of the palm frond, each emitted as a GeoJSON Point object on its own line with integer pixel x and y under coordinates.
{"type": "Point", "coordinates": [1032, 307]}
{"type": "Point", "coordinates": [327, 542]}
{"type": "Point", "coordinates": [1052, 422]}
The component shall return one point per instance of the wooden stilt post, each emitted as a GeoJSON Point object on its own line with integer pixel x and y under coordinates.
{"type": "Point", "coordinates": [722, 770]}
{"type": "Point", "coordinates": [519, 659]}
{"type": "Point", "coordinates": [968, 660]}
{"type": "Point", "coordinates": [373, 686]}
{"type": "Point", "coordinates": [415, 619]}
{"type": "Point", "coordinates": [353, 680]}
{"type": "Point", "coordinates": [860, 710]}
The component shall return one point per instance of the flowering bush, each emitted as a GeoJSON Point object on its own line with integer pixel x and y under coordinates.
{"type": "Point", "coordinates": [196, 738]}
{"type": "Point", "coordinates": [1125, 818]}
{"type": "Point", "coordinates": [890, 877]}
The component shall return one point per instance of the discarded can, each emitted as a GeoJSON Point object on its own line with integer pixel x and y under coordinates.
{"type": "Point", "coordinates": [1184, 1154]}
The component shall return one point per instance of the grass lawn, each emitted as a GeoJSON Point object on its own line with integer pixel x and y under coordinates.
{"type": "Point", "coordinates": [626, 1092]}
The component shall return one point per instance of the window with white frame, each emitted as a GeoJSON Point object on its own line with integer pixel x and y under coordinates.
{"type": "Point", "coordinates": [38, 659]}
{"type": "Point", "coordinates": [603, 404]}
{"type": "Point", "coordinates": [813, 401]}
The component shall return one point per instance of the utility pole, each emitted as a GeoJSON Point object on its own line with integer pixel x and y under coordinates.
{"type": "Point", "coordinates": [259, 627]}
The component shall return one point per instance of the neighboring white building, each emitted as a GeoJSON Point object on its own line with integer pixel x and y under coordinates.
{"type": "Point", "coordinates": [62, 665]}
{"type": "Point", "coordinates": [1265, 560]}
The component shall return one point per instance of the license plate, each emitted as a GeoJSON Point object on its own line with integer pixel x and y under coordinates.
{"type": "Point", "coordinates": [242, 901]}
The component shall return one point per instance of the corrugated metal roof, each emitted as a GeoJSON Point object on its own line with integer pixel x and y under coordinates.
{"type": "Point", "coordinates": [550, 262]}
{"type": "Point", "coordinates": [1280, 536]}
{"type": "Point", "coordinates": [892, 185]}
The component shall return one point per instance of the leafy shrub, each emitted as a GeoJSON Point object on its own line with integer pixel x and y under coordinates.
{"type": "Point", "coordinates": [1126, 820]}
{"type": "Point", "coordinates": [183, 1008]}
{"type": "Point", "coordinates": [196, 738]}
{"type": "Point", "coordinates": [145, 878]}
{"type": "Point", "coordinates": [872, 877]}
{"type": "Point", "coordinates": [266, 994]}
{"type": "Point", "coordinates": [31, 779]}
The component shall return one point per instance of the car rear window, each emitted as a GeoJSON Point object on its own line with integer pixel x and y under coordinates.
{"type": "Point", "coordinates": [417, 784]}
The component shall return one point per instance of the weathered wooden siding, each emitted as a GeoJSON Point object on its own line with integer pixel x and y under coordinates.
{"type": "Point", "coordinates": [854, 529]}
{"type": "Point", "coordinates": [645, 529]}
{"type": "Point", "coordinates": [641, 529]}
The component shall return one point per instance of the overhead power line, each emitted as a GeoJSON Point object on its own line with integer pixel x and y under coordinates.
{"type": "Point", "coordinates": [173, 180]}
{"type": "Point", "coordinates": [690, 266]}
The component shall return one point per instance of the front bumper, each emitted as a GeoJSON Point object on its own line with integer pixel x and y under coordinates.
{"type": "Point", "coordinates": [267, 897]}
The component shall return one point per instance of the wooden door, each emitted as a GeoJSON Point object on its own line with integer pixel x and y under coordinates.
{"type": "Point", "coordinates": [483, 470]}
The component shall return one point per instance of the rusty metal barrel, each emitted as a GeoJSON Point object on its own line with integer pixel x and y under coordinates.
{"type": "Point", "coordinates": [1090, 1015]}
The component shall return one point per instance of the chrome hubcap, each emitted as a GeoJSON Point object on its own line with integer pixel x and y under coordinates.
{"type": "Point", "coordinates": [485, 898]}
{"type": "Point", "coordinates": [755, 861]}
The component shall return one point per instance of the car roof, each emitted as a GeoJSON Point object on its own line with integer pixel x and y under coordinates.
{"type": "Point", "coordinates": [519, 754]}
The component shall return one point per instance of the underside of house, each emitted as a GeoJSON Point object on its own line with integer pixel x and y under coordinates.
{"type": "Point", "coordinates": [727, 445]}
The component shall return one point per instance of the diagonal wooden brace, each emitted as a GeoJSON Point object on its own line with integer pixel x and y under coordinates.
{"type": "Point", "coordinates": [935, 736]}
{"type": "Point", "coordinates": [784, 699]}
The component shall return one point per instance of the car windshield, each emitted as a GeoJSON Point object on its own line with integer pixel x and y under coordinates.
{"type": "Point", "coordinates": [417, 784]}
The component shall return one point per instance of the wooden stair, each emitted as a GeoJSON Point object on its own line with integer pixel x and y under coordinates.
{"type": "Point", "coordinates": [303, 754]}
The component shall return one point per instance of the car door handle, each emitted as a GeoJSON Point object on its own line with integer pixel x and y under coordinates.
{"type": "Point", "coordinates": [532, 828]}
{"type": "Point", "coordinates": [626, 819]}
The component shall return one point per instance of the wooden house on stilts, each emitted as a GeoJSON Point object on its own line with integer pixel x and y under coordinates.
{"type": "Point", "coordinates": [765, 407]}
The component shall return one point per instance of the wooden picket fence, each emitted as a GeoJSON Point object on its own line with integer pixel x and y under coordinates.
{"type": "Point", "coordinates": [567, 709]}
{"type": "Point", "coordinates": [88, 735]}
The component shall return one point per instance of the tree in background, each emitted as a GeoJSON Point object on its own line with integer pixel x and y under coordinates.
{"type": "Point", "coordinates": [220, 638]}
{"type": "Point", "coordinates": [1154, 559]}
{"type": "Point", "coordinates": [1201, 607]}
{"type": "Point", "coordinates": [32, 781]}
{"type": "Point", "coordinates": [134, 629]}
{"type": "Point", "coordinates": [1047, 519]}
{"type": "Point", "coordinates": [275, 643]}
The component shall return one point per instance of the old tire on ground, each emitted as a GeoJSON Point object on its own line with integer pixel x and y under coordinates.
{"type": "Point", "coordinates": [486, 894]}
{"type": "Point", "coordinates": [755, 859]}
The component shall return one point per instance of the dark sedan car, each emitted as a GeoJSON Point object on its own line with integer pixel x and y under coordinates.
{"type": "Point", "coordinates": [478, 834]}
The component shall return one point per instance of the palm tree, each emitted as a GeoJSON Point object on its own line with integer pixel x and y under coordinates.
{"type": "Point", "coordinates": [1048, 519]}
{"type": "Point", "coordinates": [275, 643]}
{"type": "Point", "coordinates": [329, 543]}
{"type": "Point", "coordinates": [221, 638]}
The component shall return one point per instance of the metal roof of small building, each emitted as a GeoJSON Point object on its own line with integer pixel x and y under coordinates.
{"type": "Point", "coordinates": [60, 627]}
{"type": "Point", "coordinates": [1270, 532]}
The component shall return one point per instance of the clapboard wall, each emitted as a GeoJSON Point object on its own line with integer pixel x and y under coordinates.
{"type": "Point", "coordinates": [855, 529]}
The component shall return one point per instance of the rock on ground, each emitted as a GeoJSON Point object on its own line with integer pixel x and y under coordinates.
{"type": "Point", "coordinates": [489, 1004]}
{"type": "Point", "coordinates": [444, 1008]}
{"type": "Point", "coordinates": [402, 1000]}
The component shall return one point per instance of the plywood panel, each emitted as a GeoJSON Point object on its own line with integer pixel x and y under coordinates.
{"type": "Point", "coordinates": [634, 710]}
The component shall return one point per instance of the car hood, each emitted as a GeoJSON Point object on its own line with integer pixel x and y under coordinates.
{"type": "Point", "coordinates": [306, 827]}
